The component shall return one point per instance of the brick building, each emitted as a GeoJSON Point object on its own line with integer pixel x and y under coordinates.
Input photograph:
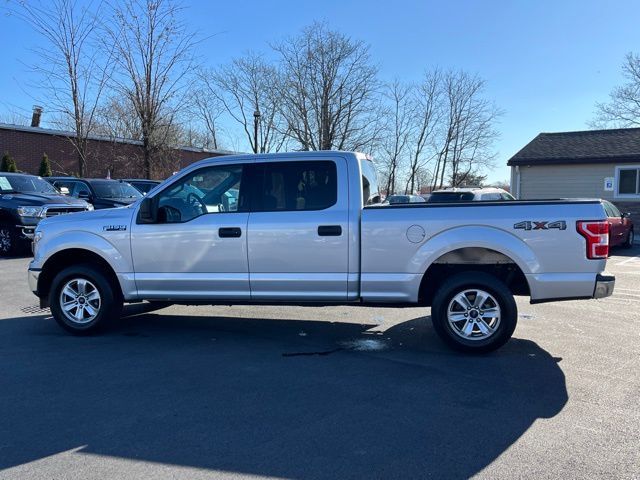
{"type": "Point", "coordinates": [122, 158]}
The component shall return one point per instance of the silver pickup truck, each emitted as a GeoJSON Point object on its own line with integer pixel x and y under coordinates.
{"type": "Point", "coordinates": [308, 228]}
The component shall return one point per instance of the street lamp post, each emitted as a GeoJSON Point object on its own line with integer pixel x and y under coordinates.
{"type": "Point", "coordinates": [256, 122]}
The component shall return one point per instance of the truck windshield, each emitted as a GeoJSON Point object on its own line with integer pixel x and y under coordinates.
{"type": "Point", "coordinates": [25, 184]}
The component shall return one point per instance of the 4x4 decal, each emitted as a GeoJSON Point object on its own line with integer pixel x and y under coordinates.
{"type": "Point", "coordinates": [543, 225]}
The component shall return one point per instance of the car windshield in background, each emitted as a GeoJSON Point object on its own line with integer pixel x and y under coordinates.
{"type": "Point", "coordinates": [450, 197]}
{"type": "Point", "coordinates": [114, 189]}
{"type": "Point", "coordinates": [395, 199]}
{"type": "Point", "coordinates": [144, 187]}
{"type": "Point", "coordinates": [25, 184]}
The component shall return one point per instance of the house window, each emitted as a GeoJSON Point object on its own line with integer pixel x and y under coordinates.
{"type": "Point", "coordinates": [628, 182]}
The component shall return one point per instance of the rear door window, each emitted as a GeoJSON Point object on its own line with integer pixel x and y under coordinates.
{"type": "Point", "coordinates": [292, 186]}
{"type": "Point", "coordinates": [370, 190]}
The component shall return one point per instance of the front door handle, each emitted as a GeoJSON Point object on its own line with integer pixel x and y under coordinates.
{"type": "Point", "coordinates": [329, 230]}
{"type": "Point", "coordinates": [230, 232]}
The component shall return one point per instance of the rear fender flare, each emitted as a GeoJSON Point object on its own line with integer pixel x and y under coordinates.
{"type": "Point", "coordinates": [475, 236]}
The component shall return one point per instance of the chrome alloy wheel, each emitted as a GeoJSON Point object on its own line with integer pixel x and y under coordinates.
{"type": "Point", "coordinates": [474, 314]}
{"type": "Point", "coordinates": [80, 301]}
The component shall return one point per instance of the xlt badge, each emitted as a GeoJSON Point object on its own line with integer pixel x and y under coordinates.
{"type": "Point", "coordinates": [114, 228]}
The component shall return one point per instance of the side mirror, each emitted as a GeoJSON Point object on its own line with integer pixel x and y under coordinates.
{"type": "Point", "coordinates": [626, 214]}
{"type": "Point", "coordinates": [84, 195]}
{"type": "Point", "coordinates": [148, 212]}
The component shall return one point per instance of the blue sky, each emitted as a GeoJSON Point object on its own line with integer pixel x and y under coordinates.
{"type": "Point", "coordinates": [546, 63]}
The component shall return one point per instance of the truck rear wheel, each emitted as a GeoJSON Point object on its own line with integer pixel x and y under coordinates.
{"type": "Point", "coordinates": [474, 312]}
{"type": "Point", "coordinates": [83, 300]}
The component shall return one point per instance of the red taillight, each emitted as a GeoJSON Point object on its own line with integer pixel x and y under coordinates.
{"type": "Point", "coordinates": [596, 233]}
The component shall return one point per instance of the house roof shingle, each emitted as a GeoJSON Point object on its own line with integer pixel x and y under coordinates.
{"type": "Point", "coordinates": [590, 146]}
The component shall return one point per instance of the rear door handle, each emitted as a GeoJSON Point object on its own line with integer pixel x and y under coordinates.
{"type": "Point", "coordinates": [230, 232]}
{"type": "Point", "coordinates": [329, 230]}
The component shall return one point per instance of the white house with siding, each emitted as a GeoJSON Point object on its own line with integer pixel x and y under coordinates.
{"type": "Point", "coordinates": [592, 163]}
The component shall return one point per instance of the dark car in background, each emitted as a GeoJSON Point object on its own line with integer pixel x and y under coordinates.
{"type": "Point", "coordinates": [620, 226]}
{"type": "Point", "coordinates": [100, 192]}
{"type": "Point", "coordinates": [142, 185]}
{"type": "Point", "coordinates": [24, 201]}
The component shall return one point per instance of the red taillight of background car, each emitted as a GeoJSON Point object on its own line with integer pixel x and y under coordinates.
{"type": "Point", "coordinates": [596, 233]}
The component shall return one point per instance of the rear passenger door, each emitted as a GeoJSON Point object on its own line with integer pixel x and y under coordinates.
{"type": "Point", "coordinates": [298, 230]}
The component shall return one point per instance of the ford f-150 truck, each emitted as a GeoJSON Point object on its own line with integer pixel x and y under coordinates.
{"type": "Point", "coordinates": [307, 228]}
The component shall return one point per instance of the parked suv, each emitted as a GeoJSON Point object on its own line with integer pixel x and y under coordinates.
{"type": "Point", "coordinates": [101, 192]}
{"type": "Point", "coordinates": [24, 201]}
{"type": "Point", "coordinates": [469, 194]}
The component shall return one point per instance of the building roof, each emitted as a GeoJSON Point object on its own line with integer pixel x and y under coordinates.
{"type": "Point", "coordinates": [101, 138]}
{"type": "Point", "coordinates": [590, 146]}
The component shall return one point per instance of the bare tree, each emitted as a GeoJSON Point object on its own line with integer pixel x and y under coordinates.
{"type": "Point", "coordinates": [623, 108]}
{"type": "Point", "coordinates": [73, 71]}
{"type": "Point", "coordinates": [397, 132]}
{"type": "Point", "coordinates": [153, 56]}
{"type": "Point", "coordinates": [427, 114]}
{"type": "Point", "coordinates": [116, 118]}
{"type": "Point", "coordinates": [248, 89]}
{"type": "Point", "coordinates": [206, 109]}
{"type": "Point", "coordinates": [14, 117]}
{"type": "Point", "coordinates": [328, 90]}
{"type": "Point", "coordinates": [468, 132]}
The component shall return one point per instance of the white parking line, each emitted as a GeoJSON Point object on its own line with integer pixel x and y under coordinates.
{"type": "Point", "coordinates": [628, 261]}
{"type": "Point", "coordinates": [628, 294]}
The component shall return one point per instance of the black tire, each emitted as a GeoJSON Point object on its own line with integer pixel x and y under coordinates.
{"type": "Point", "coordinates": [629, 242]}
{"type": "Point", "coordinates": [453, 333]}
{"type": "Point", "coordinates": [109, 308]}
{"type": "Point", "coordinates": [8, 241]}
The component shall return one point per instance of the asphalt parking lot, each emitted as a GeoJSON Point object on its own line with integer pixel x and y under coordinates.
{"type": "Point", "coordinates": [310, 393]}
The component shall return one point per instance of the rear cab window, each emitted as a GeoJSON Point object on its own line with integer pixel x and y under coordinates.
{"type": "Point", "coordinates": [370, 190]}
{"type": "Point", "coordinates": [294, 186]}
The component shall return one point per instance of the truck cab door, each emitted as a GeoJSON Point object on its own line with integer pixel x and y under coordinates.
{"type": "Point", "coordinates": [298, 232]}
{"type": "Point", "coordinates": [193, 246]}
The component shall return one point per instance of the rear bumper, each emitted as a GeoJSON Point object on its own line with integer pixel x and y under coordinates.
{"type": "Point", "coordinates": [605, 284]}
{"type": "Point", "coordinates": [557, 287]}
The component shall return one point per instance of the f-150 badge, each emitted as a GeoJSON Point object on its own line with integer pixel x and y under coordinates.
{"type": "Point", "coordinates": [114, 228]}
{"type": "Point", "coordinates": [543, 225]}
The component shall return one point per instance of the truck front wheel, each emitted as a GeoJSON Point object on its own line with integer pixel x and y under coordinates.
{"type": "Point", "coordinates": [474, 312]}
{"type": "Point", "coordinates": [83, 300]}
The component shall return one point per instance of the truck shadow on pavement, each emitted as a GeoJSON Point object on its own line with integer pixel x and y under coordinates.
{"type": "Point", "coordinates": [220, 393]}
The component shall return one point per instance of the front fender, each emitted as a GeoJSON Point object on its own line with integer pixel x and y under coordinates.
{"type": "Point", "coordinates": [119, 257]}
{"type": "Point", "coordinates": [475, 236]}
